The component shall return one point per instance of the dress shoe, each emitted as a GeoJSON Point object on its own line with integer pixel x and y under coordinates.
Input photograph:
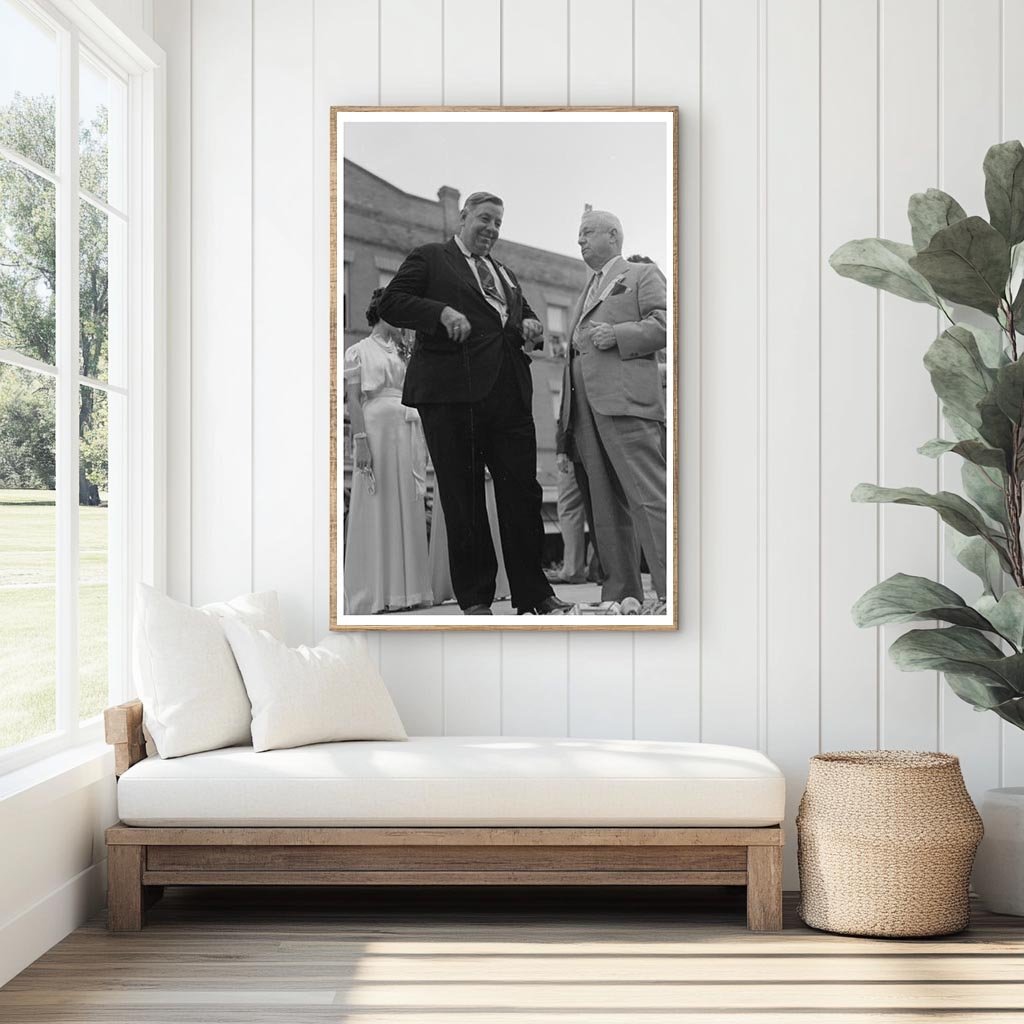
{"type": "Point", "coordinates": [549, 606]}
{"type": "Point", "coordinates": [478, 609]}
{"type": "Point", "coordinates": [553, 576]}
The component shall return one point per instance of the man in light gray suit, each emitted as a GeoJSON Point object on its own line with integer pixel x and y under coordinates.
{"type": "Point", "coordinates": [613, 407]}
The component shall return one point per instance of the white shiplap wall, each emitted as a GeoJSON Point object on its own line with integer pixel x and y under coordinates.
{"type": "Point", "coordinates": [803, 123]}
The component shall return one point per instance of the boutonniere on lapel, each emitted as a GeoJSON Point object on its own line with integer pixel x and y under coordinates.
{"type": "Point", "coordinates": [618, 288]}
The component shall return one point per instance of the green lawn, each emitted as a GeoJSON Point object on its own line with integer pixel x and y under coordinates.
{"type": "Point", "coordinates": [28, 616]}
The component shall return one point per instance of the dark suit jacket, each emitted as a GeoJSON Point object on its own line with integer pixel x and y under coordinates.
{"type": "Point", "coordinates": [441, 370]}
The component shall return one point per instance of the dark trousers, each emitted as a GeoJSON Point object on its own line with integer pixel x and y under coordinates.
{"type": "Point", "coordinates": [463, 438]}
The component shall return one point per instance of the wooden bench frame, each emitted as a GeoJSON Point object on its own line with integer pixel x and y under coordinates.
{"type": "Point", "coordinates": [142, 860]}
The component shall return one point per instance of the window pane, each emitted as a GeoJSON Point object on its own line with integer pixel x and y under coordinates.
{"type": "Point", "coordinates": [557, 316]}
{"type": "Point", "coordinates": [93, 551]}
{"type": "Point", "coordinates": [28, 263]}
{"type": "Point", "coordinates": [101, 123]}
{"type": "Point", "coordinates": [28, 85]}
{"type": "Point", "coordinates": [28, 546]}
{"type": "Point", "coordinates": [101, 281]}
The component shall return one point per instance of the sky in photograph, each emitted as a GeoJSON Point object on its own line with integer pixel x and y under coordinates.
{"type": "Point", "coordinates": [545, 173]}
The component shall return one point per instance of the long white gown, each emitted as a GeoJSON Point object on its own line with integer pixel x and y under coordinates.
{"type": "Point", "coordinates": [385, 557]}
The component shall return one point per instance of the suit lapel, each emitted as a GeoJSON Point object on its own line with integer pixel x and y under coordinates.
{"type": "Point", "coordinates": [511, 289]}
{"type": "Point", "coordinates": [577, 312]}
{"type": "Point", "coordinates": [460, 266]}
{"type": "Point", "coordinates": [613, 272]}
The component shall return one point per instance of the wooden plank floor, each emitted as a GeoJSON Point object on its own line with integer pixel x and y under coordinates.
{"type": "Point", "coordinates": [220, 956]}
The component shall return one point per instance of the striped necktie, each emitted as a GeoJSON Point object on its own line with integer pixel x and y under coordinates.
{"type": "Point", "coordinates": [487, 279]}
{"type": "Point", "coordinates": [592, 291]}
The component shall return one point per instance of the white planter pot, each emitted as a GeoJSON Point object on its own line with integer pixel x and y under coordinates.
{"type": "Point", "coordinates": [999, 866]}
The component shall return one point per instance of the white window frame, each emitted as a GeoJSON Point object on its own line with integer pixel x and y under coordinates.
{"type": "Point", "coordinates": [141, 64]}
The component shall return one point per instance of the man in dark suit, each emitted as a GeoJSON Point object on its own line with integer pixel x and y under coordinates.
{"type": "Point", "coordinates": [470, 380]}
{"type": "Point", "coordinates": [613, 408]}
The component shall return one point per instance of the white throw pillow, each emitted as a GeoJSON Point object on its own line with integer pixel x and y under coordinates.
{"type": "Point", "coordinates": [192, 693]}
{"type": "Point", "coordinates": [309, 694]}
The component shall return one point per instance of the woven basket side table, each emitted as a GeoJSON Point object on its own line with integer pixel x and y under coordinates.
{"type": "Point", "coordinates": [885, 843]}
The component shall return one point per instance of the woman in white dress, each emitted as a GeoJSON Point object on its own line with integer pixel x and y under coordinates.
{"type": "Point", "coordinates": [385, 565]}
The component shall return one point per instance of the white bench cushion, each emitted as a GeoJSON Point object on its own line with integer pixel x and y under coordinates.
{"type": "Point", "coordinates": [459, 781]}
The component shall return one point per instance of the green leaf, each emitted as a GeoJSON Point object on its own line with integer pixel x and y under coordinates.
{"type": "Point", "coordinates": [1009, 390]}
{"type": "Point", "coordinates": [964, 652]}
{"type": "Point", "coordinates": [903, 598]}
{"type": "Point", "coordinates": [954, 510]}
{"type": "Point", "coordinates": [976, 555]}
{"type": "Point", "coordinates": [958, 372]}
{"type": "Point", "coordinates": [1011, 711]}
{"type": "Point", "coordinates": [1006, 614]}
{"type": "Point", "coordinates": [967, 263]}
{"type": "Point", "coordinates": [962, 430]}
{"type": "Point", "coordinates": [932, 211]}
{"type": "Point", "coordinates": [985, 487]}
{"type": "Point", "coordinates": [973, 451]}
{"type": "Point", "coordinates": [883, 264]}
{"type": "Point", "coordinates": [982, 694]}
{"type": "Point", "coordinates": [1017, 308]}
{"type": "Point", "coordinates": [1004, 189]}
{"type": "Point", "coordinates": [995, 428]}
{"type": "Point", "coordinates": [990, 345]}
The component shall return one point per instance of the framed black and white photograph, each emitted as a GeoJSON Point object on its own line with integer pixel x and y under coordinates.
{"type": "Point", "coordinates": [504, 346]}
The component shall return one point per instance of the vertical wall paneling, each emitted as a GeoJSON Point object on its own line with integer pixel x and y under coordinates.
{"type": "Point", "coordinates": [601, 667]}
{"type": "Point", "coordinates": [909, 414]}
{"type": "Point", "coordinates": [792, 384]}
{"type": "Point", "coordinates": [284, 338]}
{"type": "Point", "coordinates": [410, 52]}
{"type": "Point", "coordinates": [472, 684]}
{"type": "Point", "coordinates": [413, 666]}
{"type": "Point", "coordinates": [534, 63]}
{"type": "Point", "coordinates": [730, 196]}
{"type": "Point", "coordinates": [472, 52]}
{"type": "Point", "coordinates": [173, 31]}
{"type": "Point", "coordinates": [221, 370]}
{"type": "Point", "coordinates": [666, 666]}
{"type": "Point", "coordinates": [534, 695]}
{"type": "Point", "coordinates": [601, 53]}
{"type": "Point", "coordinates": [472, 661]}
{"type": "Point", "coordinates": [849, 369]}
{"type": "Point", "coordinates": [968, 125]}
{"type": "Point", "coordinates": [600, 684]}
{"type": "Point", "coordinates": [1012, 127]}
{"type": "Point", "coordinates": [344, 53]}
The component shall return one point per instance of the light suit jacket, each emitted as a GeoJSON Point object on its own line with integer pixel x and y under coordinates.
{"type": "Point", "coordinates": [623, 380]}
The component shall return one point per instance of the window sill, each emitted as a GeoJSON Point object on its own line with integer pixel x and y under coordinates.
{"type": "Point", "coordinates": [53, 777]}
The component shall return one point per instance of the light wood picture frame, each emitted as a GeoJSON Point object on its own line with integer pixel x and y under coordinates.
{"type": "Point", "coordinates": [538, 180]}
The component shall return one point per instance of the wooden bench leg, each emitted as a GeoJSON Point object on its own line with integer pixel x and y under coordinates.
{"type": "Point", "coordinates": [125, 897]}
{"type": "Point", "coordinates": [764, 888]}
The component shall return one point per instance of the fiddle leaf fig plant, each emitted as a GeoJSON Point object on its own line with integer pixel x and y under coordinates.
{"type": "Point", "coordinates": [978, 376]}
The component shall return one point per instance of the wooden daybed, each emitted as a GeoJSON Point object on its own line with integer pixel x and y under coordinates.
{"type": "Point", "coordinates": [144, 858]}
